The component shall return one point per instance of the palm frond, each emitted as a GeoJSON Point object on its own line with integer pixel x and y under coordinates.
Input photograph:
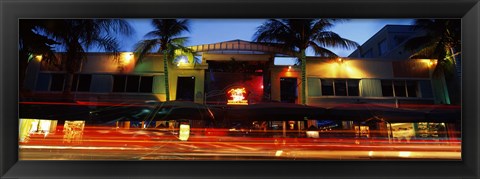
{"type": "Point", "coordinates": [332, 39]}
{"type": "Point", "coordinates": [320, 51]}
{"type": "Point", "coordinates": [143, 47]}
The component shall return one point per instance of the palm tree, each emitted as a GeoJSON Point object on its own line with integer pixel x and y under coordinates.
{"type": "Point", "coordinates": [441, 41]}
{"type": "Point", "coordinates": [165, 39]}
{"type": "Point", "coordinates": [296, 35]}
{"type": "Point", "coordinates": [32, 44]}
{"type": "Point", "coordinates": [77, 36]}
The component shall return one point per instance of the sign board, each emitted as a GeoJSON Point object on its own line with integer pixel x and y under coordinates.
{"type": "Point", "coordinates": [184, 132]}
{"type": "Point", "coordinates": [236, 96]}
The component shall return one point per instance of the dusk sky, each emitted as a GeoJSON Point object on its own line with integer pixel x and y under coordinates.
{"type": "Point", "coordinates": [206, 31]}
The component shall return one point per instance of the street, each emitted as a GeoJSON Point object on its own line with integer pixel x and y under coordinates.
{"type": "Point", "coordinates": [135, 144]}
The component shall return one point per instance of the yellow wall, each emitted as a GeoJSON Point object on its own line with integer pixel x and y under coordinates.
{"type": "Point", "coordinates": [100, 63]}
{"type": "Point", "coordinates": [284, 72]}
{"type": "Point", "coordinates": [154, 63]}
{"type": "Point", "coordinates": [349, 68]}
{"type": "Point", "coordinates": [331, 68]}
{"type": "Point", "coordinates": [238, 57]}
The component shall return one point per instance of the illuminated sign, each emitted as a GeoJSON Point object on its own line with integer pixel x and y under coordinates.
{"type": "Point", "coordinates": [237, 97]}
{"type": "Point", "coordinates": [184, 132]}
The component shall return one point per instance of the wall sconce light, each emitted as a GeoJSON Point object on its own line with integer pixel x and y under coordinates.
{"type": "Point", "coordinates": [340, 60]}
{"type": "Point", "coordinates": [39, 57]}
{"type": "Point", "coordinates": [289, 68]}
{"type": "Point", "coordinates": [128, 58]}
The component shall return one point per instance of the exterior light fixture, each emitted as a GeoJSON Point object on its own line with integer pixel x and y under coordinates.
{"type": "Point", "coordinates": [39, 57]}
{"type": "Point", "coordinates": [340, 60]}
{"type": "Point", "coordinates": [289, 68]}
{"type": "Point", "coordinates": [127, 58]}
{"type": "Point", "coordinates": [432, 62]}
{"type": "Point", "coordinates": [182, 60]}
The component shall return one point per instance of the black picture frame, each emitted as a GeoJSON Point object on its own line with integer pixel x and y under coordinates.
{"type": "Point", "coordinates": [11, 11]}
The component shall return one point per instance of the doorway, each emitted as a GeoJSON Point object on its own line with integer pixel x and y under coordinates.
{"type": "Point", "coordinates": [185, 88]}
{"type": "Point", "coordinates": [288, 90]}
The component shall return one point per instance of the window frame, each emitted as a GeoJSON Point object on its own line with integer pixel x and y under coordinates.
{"type": "Point", "coordinates": [345, 81]}
{"type": "Point", "coordinates": [405, 86]}
{"type": "Point", "coordinates": [139, 84]}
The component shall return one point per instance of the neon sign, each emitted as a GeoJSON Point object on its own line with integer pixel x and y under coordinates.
{"type": "Point", "coordinates": [237, 96]}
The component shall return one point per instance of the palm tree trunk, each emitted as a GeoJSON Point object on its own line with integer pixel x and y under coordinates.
{"type": "Point", "coordinates": [304, 72]}
{"type": "Point", "coordinates": [68, 83]}
{"type": "Point", "coordinates": [165, 71]}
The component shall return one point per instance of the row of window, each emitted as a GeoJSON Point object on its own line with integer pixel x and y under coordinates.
{"type": "Point", "coordinates": [132, 83]}
{"type": "Point", "coordinates": [399, 88]}
{"type": "Point", "coordinates": [340, 87]}
{"type": "Point", "coordinates": [350, 87]}
{"type": "Point", "coordinates": [329, 87]}
{"type": "Point", "coordinates": [121, 83]}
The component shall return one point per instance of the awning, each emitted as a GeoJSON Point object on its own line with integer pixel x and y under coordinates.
{"type": "Point", "coordinates": [274, 112]}
{"type": "Point", "coordinates": [366, 112]}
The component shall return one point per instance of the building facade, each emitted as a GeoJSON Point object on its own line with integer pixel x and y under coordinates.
{"type": "Point", "coordinates": [206, 79]}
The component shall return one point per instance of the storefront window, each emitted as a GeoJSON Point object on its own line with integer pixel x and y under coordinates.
{"type": "Point", "coordinates": [431, 130]}
{"type": "Point", "coordinates": [362, 131]}
{"type": "Point", "coordinates": [402, 131]}
{"type": "Point", "coordinates": [27, 127]}
{"type": "Point", "coordinates": [73, 131]}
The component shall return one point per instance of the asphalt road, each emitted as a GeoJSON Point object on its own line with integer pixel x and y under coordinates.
{"type": "Point", "coordinates": [148, 145]}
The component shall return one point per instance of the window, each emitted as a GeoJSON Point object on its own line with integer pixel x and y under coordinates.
{"type": "Point", "coordinates": [146, 84]}
{"type": "Point", "coordinates": [412, 88]}
{"type": "Point", "coordinates": [387, 89]}
{"type": "Point", "coordinates": [368, 54]}
{"type": "Point", "coordinates": [84, 82]}
{"type": "Point", "coordinates": [353, 87]}
{"type": "Point", "coordinates": [58, 81]}
{"type": "Point", "coordinates": [340, 87]}
{"type": "Point", "coordinates": [400, 88]}
{"type": "Point", "coordinates": [382, 47]}
{"type": "Point", "coordinates": [119, 83]}
{"type": "Point", "coordinates": [327, 87]}
{"type": "Point", "coordinates": [132, 83]}
{"type": "Point", "coordinates": [399, 39]}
